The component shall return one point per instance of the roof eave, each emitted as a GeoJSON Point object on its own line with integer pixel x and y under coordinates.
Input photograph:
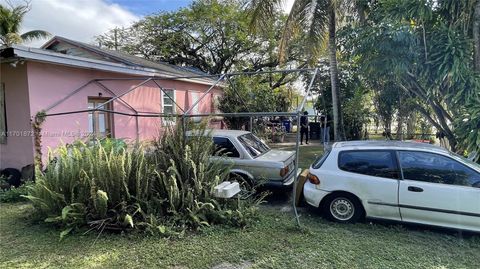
{"type": "Point", "coordinates": [38, 55]}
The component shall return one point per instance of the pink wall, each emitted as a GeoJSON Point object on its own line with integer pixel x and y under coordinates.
{"type": "Point", "coordinates": [18, 151]}
{"type": "Point", "coordinates": [49, 83]}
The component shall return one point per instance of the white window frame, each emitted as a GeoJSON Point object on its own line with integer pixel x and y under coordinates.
{"type": "Point", "coordinates": [95, 120]}
{"type": "Point", "coordinates": [167, 121]}
{"type": "Point", "coordinates": [196, 109]}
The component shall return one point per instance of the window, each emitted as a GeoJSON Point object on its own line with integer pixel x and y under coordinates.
{"type": "Point", "coordinates": [216, 104]}
{"type": "Point", "coordinates": [254, 145]}
{"type": "Point", "coordinates": [223, 146]}
{"type": "Point", "coordinates": [99, 122]}
{"type": "Point", "coordinates": [168, 106]}
{"type": "Point", "coordinates": [435, 168]}
{"type": "Point", "coordinates": [369, 162]}
{"type": "Point", "coordinates": [196, 109]}
{"type": "Point", "coordinates": [3, 115]}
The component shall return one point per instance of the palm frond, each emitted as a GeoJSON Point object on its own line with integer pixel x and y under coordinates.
{"type": "Point", "coordinates": [261, 11]}
{"type": "Point", "coordinates": [311, 17]}
{"type": "Point", "coordinates": [318, 27]}
{"type": "Point", "coordinates": [35, 34]}
{"type": "Point", "coordinates": [11, 18]}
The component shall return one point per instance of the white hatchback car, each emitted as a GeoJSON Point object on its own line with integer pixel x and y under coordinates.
{"type": "Point", "coordinates": [400, 181]}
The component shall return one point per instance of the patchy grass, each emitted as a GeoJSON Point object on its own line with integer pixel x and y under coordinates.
{"type": "Point", "coordinates": [274, 242]}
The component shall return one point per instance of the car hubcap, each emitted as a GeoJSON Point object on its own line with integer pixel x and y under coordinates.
{"type": "Point", "coordinates": [342, 209]}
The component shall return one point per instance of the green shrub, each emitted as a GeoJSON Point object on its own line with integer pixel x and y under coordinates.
{"type": "Point", "coordinates": [14, 195]}
{"type": "Point", "coordinates": [186, 180]}
{"type": "Point", "coordinates": [166, 189]}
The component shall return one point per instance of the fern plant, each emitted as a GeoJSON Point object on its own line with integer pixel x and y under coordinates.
{"type": "Point", "coordinates": [167, 189]}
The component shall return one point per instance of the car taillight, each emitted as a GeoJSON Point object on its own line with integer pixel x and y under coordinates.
{"type": "Point", "coordinates": [313, 179]}
{"type": "Point", "coordinates": [284, 171]}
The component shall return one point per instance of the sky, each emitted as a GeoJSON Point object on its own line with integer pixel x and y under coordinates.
{"type": "Point", "coordinates": [82, 20]}
{"type": "Point", "coordinates": [147, 7]}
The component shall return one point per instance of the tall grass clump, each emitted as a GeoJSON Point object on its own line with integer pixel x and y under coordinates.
{"type": "Point", "coordinates": [186, 177]}
{"type": "Point", "coordinates": [166, 188]}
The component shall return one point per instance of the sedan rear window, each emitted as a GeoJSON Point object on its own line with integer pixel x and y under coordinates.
{"type": "Point", "coordinates": [254, 145]}
{"type": "Point", "coordinates": [373, 163]}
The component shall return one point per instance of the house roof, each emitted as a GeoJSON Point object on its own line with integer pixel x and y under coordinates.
{"type": "Point", "coordinates": [127, 59]}
{"type": "Point", "coordinates": [112, 61]}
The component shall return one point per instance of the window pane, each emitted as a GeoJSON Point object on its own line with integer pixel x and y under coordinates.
{"type": "Point", "coordinates": [254, 145]}
{"type": "Point", "coordinates": [101, 123]}
{"type": "Point", "coordinates": [225, 147]}
{"type": "Point", "coordinates": [166, 97]}
{"type": "Point", "coordinates": [100, 104]}
{"type": "Point", "coordinates": [90, 122]}
{"type": "Point", "coordinates": [435, 168]}
{"type": "Point", "coordinates": [168, 109]}
{"type": "Point", "coordinates": [373, 163]}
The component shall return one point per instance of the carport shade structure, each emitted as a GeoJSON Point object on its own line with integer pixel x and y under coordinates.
{"type": "Point", "coordinates": [187, 114]}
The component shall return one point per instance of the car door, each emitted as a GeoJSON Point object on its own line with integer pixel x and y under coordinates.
{"type": "Point", "coordinates": [373, 176]}
{"type": "Point", "coordinates": [438, 190]}
{"type": "Point", "coordinates": [230, 153]}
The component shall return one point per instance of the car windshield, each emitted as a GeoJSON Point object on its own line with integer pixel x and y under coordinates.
{"type": "Point", "coordinates": [254, 145]}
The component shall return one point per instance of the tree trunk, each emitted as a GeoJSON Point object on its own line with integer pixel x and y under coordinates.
{"type": "Point", "coordinates": [360, 8]}
{"type": "Point", "coordinates": [476, 35]}
{"type": "Point", "coordinates": [400, 119]}
{"type": "Point", "coordinates": [338, 130]}
{"type": "Point", "coordinates": [387, 127]}
{"type": "Point", "coordinates": [400, 127]}
{"type": "Point", "coordinates": [411, 122]}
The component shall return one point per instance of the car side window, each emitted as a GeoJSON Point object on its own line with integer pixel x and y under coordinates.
{"type": "Point", "coordinates": [223, 146]}
{"type": "Point", "coordinates": [369, 162]}
{"type": "Point", "coordinates": [435, 168]}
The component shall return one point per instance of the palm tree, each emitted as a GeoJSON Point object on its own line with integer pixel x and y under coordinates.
{"type": "Point", "coordinates": [10, 20]}
{"type": "Point", "coordinates": [318, 19]}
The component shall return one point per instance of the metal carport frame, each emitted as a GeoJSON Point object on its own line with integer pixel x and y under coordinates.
{"type": "Point", "coordinates": [187, 114]}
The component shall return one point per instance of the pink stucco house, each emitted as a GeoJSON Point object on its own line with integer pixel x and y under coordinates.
{"type": "Point", "coordinates": [66, 76]}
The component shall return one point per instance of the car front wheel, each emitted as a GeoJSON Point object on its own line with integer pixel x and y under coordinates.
{"type": "Point", "coordinates": [343, 208]}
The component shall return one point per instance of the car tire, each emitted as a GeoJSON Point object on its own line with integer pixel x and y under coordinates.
{"type": "Point", "coordinates": [242, 179]}
{"type": "Point", "coordinates": [343, 208]}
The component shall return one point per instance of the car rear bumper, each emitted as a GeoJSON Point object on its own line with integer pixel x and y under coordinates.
{"type": "Point", "coordinates": [285, 184]}
{"type": "Point", "coordinates": [313, 196]}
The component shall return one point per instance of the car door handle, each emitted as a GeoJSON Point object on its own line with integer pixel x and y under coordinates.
{"type": "Point", "coordinates": [415, 189]}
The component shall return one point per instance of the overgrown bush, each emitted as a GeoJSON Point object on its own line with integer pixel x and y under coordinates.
{"type": "Point", "coordinates": [165, 189]}
{"type": "Point", "coordinates": [14, 195]}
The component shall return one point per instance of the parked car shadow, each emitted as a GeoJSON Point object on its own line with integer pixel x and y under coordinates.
{"type": "Point", "coordinates": [413, 227]}
{"type": "Point", "coordinates": [278, 197]}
